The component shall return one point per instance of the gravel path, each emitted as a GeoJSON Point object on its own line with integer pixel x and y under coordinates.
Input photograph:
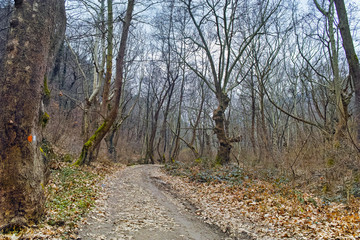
{"type": "Point", "coordinates": [135, 206]}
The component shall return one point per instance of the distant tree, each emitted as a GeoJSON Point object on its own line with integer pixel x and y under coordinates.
{"type": "Point", "coordinates": [233, 29]}
{"type": "Point", "coordinates": [157, 91]}
{"type": "Point", "coordinates": [36, 29]}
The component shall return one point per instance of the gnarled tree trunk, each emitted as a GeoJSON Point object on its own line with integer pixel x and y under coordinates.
{"type": "Point", "coordinates": [36, 28]}
{"type": "Point", "coordinates": [223, 154]}
{"type": "Point", "coordinates": [353, 61]}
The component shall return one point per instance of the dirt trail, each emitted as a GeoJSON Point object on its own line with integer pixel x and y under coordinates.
{"type": "Point", "coordinates": [135, 206]}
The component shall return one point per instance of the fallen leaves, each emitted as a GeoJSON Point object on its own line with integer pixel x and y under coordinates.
{"type": "Point", "coordinates": [71, 193]}
{"type": "Point", "coordinates": [268, 209]}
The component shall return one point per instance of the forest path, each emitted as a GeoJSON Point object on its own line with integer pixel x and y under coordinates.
{"type": "Point", "coordinates": [136, 206]}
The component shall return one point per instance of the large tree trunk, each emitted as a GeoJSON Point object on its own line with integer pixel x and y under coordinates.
{"type": "Point", "coordinates": [351, 56]}
{"type": "Point", "coordinates": [36, 28]}
{"type": "Point", "coordinates": [223, 154]}
{"type": "Point", "coordinates": [88, 150]}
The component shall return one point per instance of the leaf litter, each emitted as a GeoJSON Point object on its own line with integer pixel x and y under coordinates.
{"type": "Point", "coordinates": [239, 203]}
{"type": "Point", "coordinates": [235, 202]}
{"type": "Point", "coordinates": [71, 193]}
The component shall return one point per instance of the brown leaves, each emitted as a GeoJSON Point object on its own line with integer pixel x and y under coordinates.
{"type": "Point", "coordinates": [71, 193]}
{"type": "Point", "coordinates": [266, 209]}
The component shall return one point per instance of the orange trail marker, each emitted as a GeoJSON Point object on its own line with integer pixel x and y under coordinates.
{"type": "Point", "coordinates": [30, 138]}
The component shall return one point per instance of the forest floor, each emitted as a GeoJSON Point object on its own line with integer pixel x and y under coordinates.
{"type": "Point", "coordinates": [135, 205]}
{"type": "Point", "coordinates": [146, 202]}
{"type": "Point", "coordinates": [247, 203]}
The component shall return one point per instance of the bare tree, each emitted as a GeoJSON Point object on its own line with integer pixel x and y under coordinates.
{"type": "Point", "coordinates": [225, 51]}
{"type": "Point", "coordinates": [88, 149]}
{"type": "Point", "coordinates": [342, 99]}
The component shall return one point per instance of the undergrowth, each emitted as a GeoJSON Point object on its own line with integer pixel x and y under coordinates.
{"type": "Point", "coordinates": [200, 173]}
{"type": "Point", "coordinates": [225, 194]}
{"type": "Point", "coordinates": [234, 175]}
{"type": "Point", "coordinates": [71, 193]}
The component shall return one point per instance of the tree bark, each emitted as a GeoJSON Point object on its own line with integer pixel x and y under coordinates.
{"type": "Point", "coordinates": [263, 133]}
{"type": "Point", "coordinates": [352, 59]}
{"type": "Point", "coordinates": [109, 59]}
{"type": "Point", "coordinates": [111, 140]}
{"type": "Point", "coordinates": [176, 149]}
{"type": "Point", "coordinates": [163, 141]}
{"type": "Point", "coordinates": [223, 154]}
{"type": "Point", "coordinates": [154, 124]}
{"type": "Point", "coordinates": [88, 149]}
{"type": "Point", "coordinates": [36, 29]}
{"type": "Point", "coordinates": [253, 115]}
{"type": "Point", "coordinates": [337, 85]}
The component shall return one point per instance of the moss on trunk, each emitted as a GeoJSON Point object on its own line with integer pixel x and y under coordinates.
{"type": "Point", "coordinates": [46, 91]}
{"type": "Point", "coordinates": [44, 119]}
{"type": "Point", "coordinates": [88, 147]}
{"type": "Point", "coordinates": [87, 153]}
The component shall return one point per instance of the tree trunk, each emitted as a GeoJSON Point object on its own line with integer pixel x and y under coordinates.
{"type": "Point", "coordinates": [264, 146]}
{"type": "Point", "coordinates": [223, 154]}
{"type": "Point", "coordinates": [154, 126]}
{"type": "Point", "coordinates": [150, 146]}
{"type": "Point", "coordinates": [109, 59]}
{"type": "Point", "coordinates": [253, 115]}
{"type": "Point", "coordinates": [37, 27]}
{"type": "Point", "coordinates": [163, 141]}
{"type": "Point", "coordinates": [111, 143]}
{"type": "Point", "coordinates": [88, 150]}
{"type": "Point", "coordinates": [351, 56]}
{"type": "Point", "coordinates": [337, 85]}
{"type": "Point", "coordinates": [341, 108]}
{"type": "Point", "coordinates": [176, 150]}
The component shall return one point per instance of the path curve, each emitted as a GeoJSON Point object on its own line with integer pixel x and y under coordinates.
{"type": "Point", "coordinates": [136, 207]}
